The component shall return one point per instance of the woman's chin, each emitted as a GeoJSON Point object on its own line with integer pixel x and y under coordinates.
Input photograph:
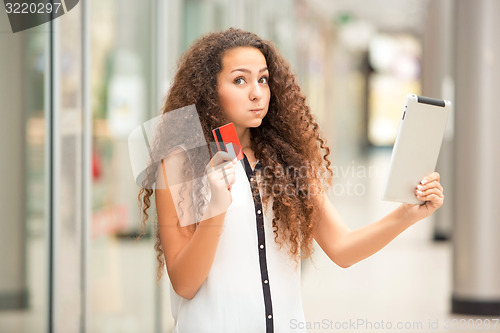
{"type": "Point", "coordinates": [255, 123]}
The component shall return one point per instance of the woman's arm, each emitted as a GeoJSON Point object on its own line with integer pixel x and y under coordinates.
{"type": "Point", "coordinates": [345, 247]}
{"type": "Point", "coordinates": [189, 254]}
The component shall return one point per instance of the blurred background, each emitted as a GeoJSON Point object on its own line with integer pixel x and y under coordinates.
{"type": "Point", "coordinates": [73, 89]}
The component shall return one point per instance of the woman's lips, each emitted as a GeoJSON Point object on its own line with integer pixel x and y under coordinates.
{"type": "Point", "coordinates": [256, 110]}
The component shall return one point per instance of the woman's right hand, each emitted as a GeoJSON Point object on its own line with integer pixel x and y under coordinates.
{"type": "Point", "coordinates": [221, 164]}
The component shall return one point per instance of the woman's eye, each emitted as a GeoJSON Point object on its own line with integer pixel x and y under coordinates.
{"type": "Point", "coordinates": [239, 81]}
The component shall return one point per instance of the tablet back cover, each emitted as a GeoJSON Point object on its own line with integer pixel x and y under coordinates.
{"type": "Point", "coordinates": [416, 148]}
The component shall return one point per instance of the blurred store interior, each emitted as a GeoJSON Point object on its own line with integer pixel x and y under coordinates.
{"type": "Point", "coordinates": [72, 90]}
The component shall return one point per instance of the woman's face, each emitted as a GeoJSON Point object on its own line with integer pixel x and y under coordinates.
{"type": "Point", "coordinates": [243, 87]}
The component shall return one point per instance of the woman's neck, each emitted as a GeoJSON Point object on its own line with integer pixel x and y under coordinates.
{"type": "Point", "coordinates": [244, 137]}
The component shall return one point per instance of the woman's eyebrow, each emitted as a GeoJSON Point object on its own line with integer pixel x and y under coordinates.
{"type": "Point", "coordinates": [247, 71]}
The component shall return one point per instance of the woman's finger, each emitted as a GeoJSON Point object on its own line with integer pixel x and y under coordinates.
{"type": "Point", "coordinates": [434, 176]}
{"type": "Point", "coordinates": [428, 193]}
{"type": "Point", "coordinates": [432, 190]}
{"type": "Point", "coordinates": [433, 184]}
{"type": "Point", "coordinates": [231, 178]}
{"type": "Point", "coordinates": [222, 165]}
{"type": "Point", "coordinates": [221, 157]}
{"type": "Point", "coordinates": [223, 173]}
{"type": "Point", "coordinates": [434, 200]}
{"type": "Point", "coordinates": [226, 168]}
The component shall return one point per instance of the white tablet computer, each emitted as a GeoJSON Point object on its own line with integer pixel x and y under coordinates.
{"type": "Point", "coordinates": [416, 148]}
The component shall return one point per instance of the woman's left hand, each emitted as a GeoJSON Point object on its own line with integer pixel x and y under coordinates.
{"type": "Point", "coordinates": [430, 191]}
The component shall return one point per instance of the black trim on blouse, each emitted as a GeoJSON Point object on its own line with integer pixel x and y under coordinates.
{"type": "Point", "coordinates": [261, 247]}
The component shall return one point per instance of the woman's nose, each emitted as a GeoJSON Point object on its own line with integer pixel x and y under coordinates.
{"type": "Point", "coordinates": [255, 91]}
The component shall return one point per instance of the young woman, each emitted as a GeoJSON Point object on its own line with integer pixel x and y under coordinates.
{"type": "Point", "coordinates": [238, 269]}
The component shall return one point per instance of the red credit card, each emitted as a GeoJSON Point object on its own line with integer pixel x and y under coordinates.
{"type": "Point", "coordinates": [227, 140]}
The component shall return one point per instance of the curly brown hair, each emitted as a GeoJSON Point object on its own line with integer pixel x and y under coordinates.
{"type": "Point", "coordinates": [287, 139]}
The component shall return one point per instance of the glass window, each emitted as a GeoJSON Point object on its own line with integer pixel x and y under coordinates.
{"type": "Point", "coordinates": [122, 270]}
{"type": "Point", "coordinates": [24, 74]}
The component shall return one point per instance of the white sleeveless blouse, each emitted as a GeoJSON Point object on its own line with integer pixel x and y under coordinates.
{"type": "Point", "coordinates": [253, 285]}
